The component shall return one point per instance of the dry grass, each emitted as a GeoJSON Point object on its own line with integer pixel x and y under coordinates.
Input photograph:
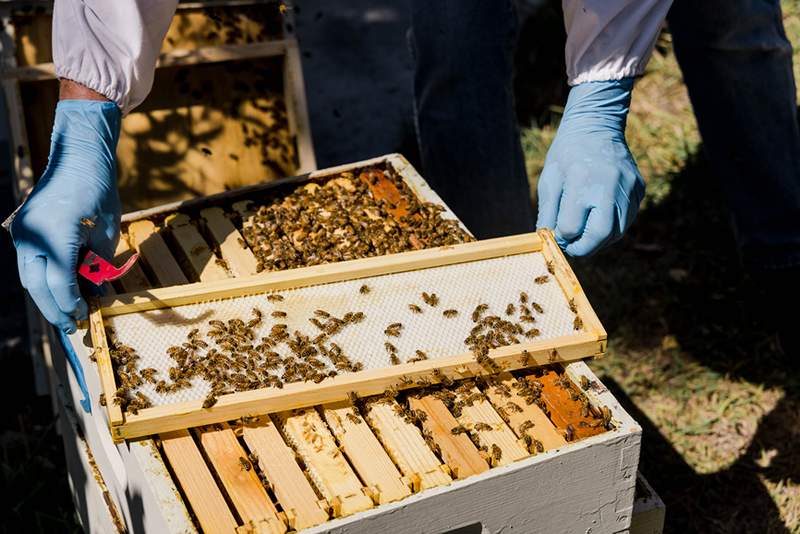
{"type": "Point", "coordinates": [720, 411]}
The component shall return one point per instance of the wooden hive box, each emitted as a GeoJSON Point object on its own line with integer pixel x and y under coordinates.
{"type": "Point", "coordinates": [227, 108]}
{"type": "Point", "coordinates": [374, 469]}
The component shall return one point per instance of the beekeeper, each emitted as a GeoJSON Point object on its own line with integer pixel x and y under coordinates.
{"type": "Point", "coordinates": [735, 57]}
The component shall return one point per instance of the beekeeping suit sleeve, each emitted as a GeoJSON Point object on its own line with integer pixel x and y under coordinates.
{"type": "Point", "coordinates": [110, 46]}
{"type": "Point", "coordinates": [610, 39]}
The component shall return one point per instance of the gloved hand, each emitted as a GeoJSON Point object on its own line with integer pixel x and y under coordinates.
{"type": "Point", "coordinates": [590, 188]}
{"type": "Point", "coordinates": [74, 204]}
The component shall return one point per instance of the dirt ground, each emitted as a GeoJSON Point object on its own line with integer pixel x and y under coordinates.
{"type": "Point", "coordinates": [720, 411]}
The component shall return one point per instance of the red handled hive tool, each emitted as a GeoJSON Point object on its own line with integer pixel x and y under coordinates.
{"type": "Point", "coordinates": [97, 270]}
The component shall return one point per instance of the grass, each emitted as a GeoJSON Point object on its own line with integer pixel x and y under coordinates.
{"type": "Point", "coordinates": [720, 411]}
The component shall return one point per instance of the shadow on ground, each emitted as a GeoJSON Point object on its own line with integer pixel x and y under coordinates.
{"type": "Point", "coordinates": [677, 274]}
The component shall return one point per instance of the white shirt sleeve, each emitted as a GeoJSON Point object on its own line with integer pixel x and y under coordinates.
{"type": "Point", "coordinates": [610, 39]}
{"type": "Point", "coordinates": [110, 46]}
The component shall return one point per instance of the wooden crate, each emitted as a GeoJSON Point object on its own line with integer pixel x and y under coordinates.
{"type": "Point", "coordinates": [227, 107]}
{"type": "Point", "coordinates": [572, 486]}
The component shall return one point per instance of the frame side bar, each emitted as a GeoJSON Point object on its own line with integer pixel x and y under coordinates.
{"type": "Point", "coordinates": [104, 367]}
{"type": "Point", "coordinates": [569, 284]}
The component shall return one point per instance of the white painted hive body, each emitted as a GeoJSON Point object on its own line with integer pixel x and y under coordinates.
{"type": "Point", "coordinates": [586, 486]}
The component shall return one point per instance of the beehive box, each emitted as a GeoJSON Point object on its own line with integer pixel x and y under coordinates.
{"type": "Point", "coordinates": [370, 468]}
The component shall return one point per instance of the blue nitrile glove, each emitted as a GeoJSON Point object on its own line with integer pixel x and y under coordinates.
{"type": "Point", "coordinates": [74, 204]}
{"type": "Point", "coordinates": [590, 188]}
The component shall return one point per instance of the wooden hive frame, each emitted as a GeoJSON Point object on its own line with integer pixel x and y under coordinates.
{"type": "Point", "coordinates": [588, 342]}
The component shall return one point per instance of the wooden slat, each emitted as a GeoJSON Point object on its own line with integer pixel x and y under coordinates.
{"type": "Point", "coordinates": [134, 279]}
{"type": "Point", "coordinates": [406, 446]}
{"type": "Point", "coordinates": [104, 366]}
{"type": "Point", "coordinates": [239, 478]}
{"type": "Point", "coordinates": [277, 461]}
{"type": "Point", "coordinates": [197, 483]}
{"type": "Point", "coordinates": [149, 243]}
{"type": "Point", "coordinates": [306, 432]}
{"type": "Point", "coordinates": [239, 258]}
{"type": "Point", "coordinates": [563, 410]}
{"type": "Point", "coordinates": [322, 274]}
{"type": "Point", "coordinates": [501, 392]}
{"type": "Point", "coordinates": [482, 413]}
{"type": "Point", "coordinates": [194, 247]}
{"type": "Point", "coordinates": [457, 450]}
{"type": "Point", "coordinates": [296, 107]}
{"type": "Point", "coordinates": [364, 451]}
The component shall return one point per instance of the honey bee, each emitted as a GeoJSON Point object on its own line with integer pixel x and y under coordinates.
{"type": "Point", "coordinates": [533, 332]}
{"type": "Point", "coordinates": [256, 320]}
{"type": "Point", "coordinates": [550, 267]}
{"type": "Point", "coordinates": [572, 306]}
{"type": "Point", "coordinates": [478, 311]}
{"type": "Point", "coordinates": [420, 355]}
{"type": "Point", "coordinates": [420, 415]}
{"type": "Point", "coordinates": [569, 432]}
{"type": "Point", "coordinates": [245, 464]}
{"type": "Point", "coordinates": [210, 400]}
{"type": "Point", "coordinates": [393, 330]}
{"type": "Point", "coordinates": [537, 307]}
{"type": "Point", "coordinates": [525, 359]}
{"type": "Point", "coordinates": [278, 314]}
{"type": "Point", "coordinates": [541, 279]}
{"type": "Point", "coordinates": [480, 426]}
{"type": "Point", "coordinates": [523, 297]}
{"type": "Point", "coordinates": [430, 299]}
{"type": "Point", "coordinates": [353, 418]}
{"type": "Point", "coordinates": [322, 313]}
{"type": "Point", "coordinates": [394, 359]}
{"type": "Point", "coordinates": [510, 309]}
{"type": "Point", "coordinates": [525, 426]}
{"type": "Point", "coordinates": [316, 322]}
{"type": "Point", "coordinates": [513, 407]}
{"type": "Point", "coordinates": [364, 289]}
{"type": "Point", "coordinates": [275, 297]}
{"type": "Point", "coordinates": [460, 429]}
{"type": "Point", "coordinates": [450, 313]}
{"type": "Point", "coordinates": [414, 308]}
{"type": "Point", "coordinates": [577, 324]}
{"type": "Point", "coordinates": [497, 453]}
{"type": "Point", "coordinates": [606, 416]}
{"type": "Point", "coordinates": [102, 399]}
{"type": "Point", "coordinates": [406, 381]}
{"type": "Point", "coordinates": [584, 382]}
{"type": "Point", "coordinates": [538, 445]}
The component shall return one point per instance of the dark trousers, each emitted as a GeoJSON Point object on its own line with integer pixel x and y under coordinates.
{"type": "Point", "coordinates": [737, 64]}
{"type": "Point", "coordinates": [464, 112]}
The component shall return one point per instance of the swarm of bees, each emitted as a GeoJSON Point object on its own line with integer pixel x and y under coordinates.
{"type": "Point", "coordinates": [340, 219]}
